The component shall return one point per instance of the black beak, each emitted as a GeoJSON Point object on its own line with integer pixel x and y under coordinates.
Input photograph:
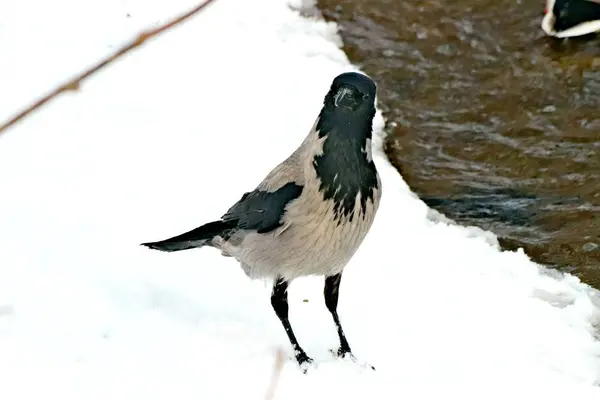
{"type": "Point", "coordinates": [345, 97]}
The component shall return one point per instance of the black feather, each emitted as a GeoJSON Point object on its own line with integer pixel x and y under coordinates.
{"type": "Point", "coordinates": [570, 13]}
{"type": "Point", "coordinates": [257, 210]}
{"type": "Point", "coordinates": [195, 238]}
{"type": "Point", "coordinates": [343, 167]}
{"type": "Point", "coordinates": [261, 210]}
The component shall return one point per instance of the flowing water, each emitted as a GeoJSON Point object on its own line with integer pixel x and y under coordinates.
{"type": "Point", "coordinates": [490, 122]}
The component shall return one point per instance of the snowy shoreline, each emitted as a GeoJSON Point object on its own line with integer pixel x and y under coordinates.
{"type": "Point", "coordinates": [145, 150]}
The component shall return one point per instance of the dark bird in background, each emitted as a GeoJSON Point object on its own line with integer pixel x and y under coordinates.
{"type": "Point", "coordinates": [310, 213]}
{"type": "Point", "coordinates": [569, 18]}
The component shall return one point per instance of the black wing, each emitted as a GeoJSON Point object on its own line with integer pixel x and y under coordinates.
{"type": "Point", "coordinates": [261, 210]}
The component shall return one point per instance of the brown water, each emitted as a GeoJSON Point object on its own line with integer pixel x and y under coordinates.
{"type": "Point", "coordinates": [489, 121]}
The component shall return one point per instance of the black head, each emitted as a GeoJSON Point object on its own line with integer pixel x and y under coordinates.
{"type": "Point", "coordinates": [351, 92]}
{"type": "Point", "coordinates": [349, 107]}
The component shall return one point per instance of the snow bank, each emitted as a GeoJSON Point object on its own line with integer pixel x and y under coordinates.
{"type": "Point", "coordinates": [167, 139]}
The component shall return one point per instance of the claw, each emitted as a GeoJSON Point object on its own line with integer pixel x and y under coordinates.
{"type": "Point", "coordinates": [347, 354]}
{"type": "Point", "coordinates": [303, 361]}
{"type": "Point", "coordinates": [342, 353]}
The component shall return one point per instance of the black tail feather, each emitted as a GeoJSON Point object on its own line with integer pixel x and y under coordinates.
{"type": "Point", "coordinates": [195, 238]}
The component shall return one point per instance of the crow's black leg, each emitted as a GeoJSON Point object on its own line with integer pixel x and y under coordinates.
{"type": "Point", "coordinates": [280, 305]}
{"type": "Point", "coordinates": [332, 292]}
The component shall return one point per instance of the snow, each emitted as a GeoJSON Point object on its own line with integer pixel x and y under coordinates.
{"type": "Point", "coordinates": [167, 139]}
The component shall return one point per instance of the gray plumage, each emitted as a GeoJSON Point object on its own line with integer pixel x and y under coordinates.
{"type": "Point", "coordinates": [311, 213]}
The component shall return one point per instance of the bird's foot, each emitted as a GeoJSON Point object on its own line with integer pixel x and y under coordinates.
{"type": "Point", "coordinates": [346, 354]}
{"type": "Point", "coordinates": [303, 360]}
{"type": "Point", "coordinates": [343, 353]}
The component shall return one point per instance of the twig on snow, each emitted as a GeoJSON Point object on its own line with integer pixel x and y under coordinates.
{"type": "Point", "coordinates": [279, 358]}
{"type": "Point", "coordinates": [74, 83]}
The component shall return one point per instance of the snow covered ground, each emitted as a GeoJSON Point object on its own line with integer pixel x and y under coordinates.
{"type": "Point", "coordinates": [167, 139]}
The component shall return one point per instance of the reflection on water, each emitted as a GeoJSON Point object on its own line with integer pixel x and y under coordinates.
{"type": "Point", "coordinates": [490, 122]}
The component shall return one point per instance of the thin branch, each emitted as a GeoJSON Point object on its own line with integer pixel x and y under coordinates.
{"type": "Point", "coordinates": [279, 358]}
{"type": "Point", "coordinates": [73, 84]}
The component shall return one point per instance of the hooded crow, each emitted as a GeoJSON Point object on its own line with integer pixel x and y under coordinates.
{"type": "Point", "coordinates": [310, 213]}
